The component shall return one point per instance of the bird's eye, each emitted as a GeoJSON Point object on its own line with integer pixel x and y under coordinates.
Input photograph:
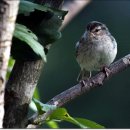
{"type": "Point", "coordinates": [96, 30]}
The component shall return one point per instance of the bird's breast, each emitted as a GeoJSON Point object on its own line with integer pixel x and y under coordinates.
{"type": "Point", "coordinates": [96, 54]}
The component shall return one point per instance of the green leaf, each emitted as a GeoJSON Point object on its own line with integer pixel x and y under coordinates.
{"type": "Point", "coordinates": [10, 67]}
{"type": "Point", "coordinates": [52, 124]}
{"type": "Point", "coordinates": [48, 32]}
{"type": "Point", "coordinates": [27, 7]}
{"type": "Point", "coordinates": [36, 93]}
{"type": "Point", "coordinates": [24, 34]}
{"type": "Point", "coordinates": [88, 123]}
{"type": "Point", "coordinates": [62, 114]}
{"type": "Point", "coordinates": [42, 108]}
{"type": "Point", "coordinates": [59, 113]}
{"type": "Point", "coordinates": [11, 62]}
{"type": "Point", "coordinates": [32, 106]}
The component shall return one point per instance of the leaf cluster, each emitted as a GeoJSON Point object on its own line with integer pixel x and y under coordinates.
{"type": "Point", "coordinates": [61, 114]}
{"type": "Point", "coordinates": [31, 39]}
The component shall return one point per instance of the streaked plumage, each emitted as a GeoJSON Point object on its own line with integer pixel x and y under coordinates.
{"type": "Point", "coordinates": [97, 48]}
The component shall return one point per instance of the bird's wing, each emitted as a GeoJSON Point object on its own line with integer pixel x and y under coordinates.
{"type": "Point", "coordinates": [113, 42]}
{"type": "Point", "coordinates": [77, 48]}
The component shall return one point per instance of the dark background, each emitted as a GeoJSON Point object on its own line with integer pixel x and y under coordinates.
{"type": "Point", "coordinates": [108, 105]}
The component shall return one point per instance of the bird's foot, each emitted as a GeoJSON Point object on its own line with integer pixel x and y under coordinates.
{"type": "Point", "coordinates": [83, 82]}
{"type": "Point", "coordinates": [107, 71]}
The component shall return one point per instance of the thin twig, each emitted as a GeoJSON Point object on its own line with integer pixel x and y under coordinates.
{"type": "Point", "coordinates": [79, 89]}
{"type": "Point", "coordinates": [74, 7]}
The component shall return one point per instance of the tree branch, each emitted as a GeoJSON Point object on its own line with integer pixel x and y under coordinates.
{"type": "Point", "coordinates": [19, 92]}
{"type": "Point", "coordinates": [74, 7]}
{"type": "Point", "coordinates": [79, 89]}
{"type": "Point", "coordinates": [8, 13]}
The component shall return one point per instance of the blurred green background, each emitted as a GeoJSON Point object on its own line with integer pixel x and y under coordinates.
{"type": "Point", "coordinates": [108, 105]}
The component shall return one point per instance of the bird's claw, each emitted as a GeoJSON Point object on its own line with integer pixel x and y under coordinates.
{"type": "Point", "coordinates": [82, 82]}
{"type": "Point", "coordinates": [107, 71]}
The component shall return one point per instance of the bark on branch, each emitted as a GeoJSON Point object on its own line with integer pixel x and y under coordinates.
{"type": "Point", "coordinates": [79, 89]}
{"type": "Point", "coordinates": [8, 13]}
{"type": "Point", "coordinates": [19, 92]}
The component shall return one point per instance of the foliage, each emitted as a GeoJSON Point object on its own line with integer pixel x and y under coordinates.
{"type": "Point", "coordinates": [27, 7]}
{"type": "Point", "coordinates": [24, 34]}
{"type": "Point", "coordinates": [42, 108]}
{"type": "Point", "coordinates": [61, 114]}
{"type": "Point", "coordinates": [46, 32]}
{"type": "Point", "coordinates": [10, 67]}
{"type": "Point", "coordinates": [51, 124]}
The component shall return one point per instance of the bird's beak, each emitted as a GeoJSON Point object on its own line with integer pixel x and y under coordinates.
{"type": "Point", "coordinates": [91, 34]}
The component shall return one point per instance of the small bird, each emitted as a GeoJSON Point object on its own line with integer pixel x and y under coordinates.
{"type": "Point", "coordinates": [96, 49]}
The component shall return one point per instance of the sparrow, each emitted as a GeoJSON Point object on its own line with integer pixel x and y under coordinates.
{"type": "Point", "coordinates": [96, 49]}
